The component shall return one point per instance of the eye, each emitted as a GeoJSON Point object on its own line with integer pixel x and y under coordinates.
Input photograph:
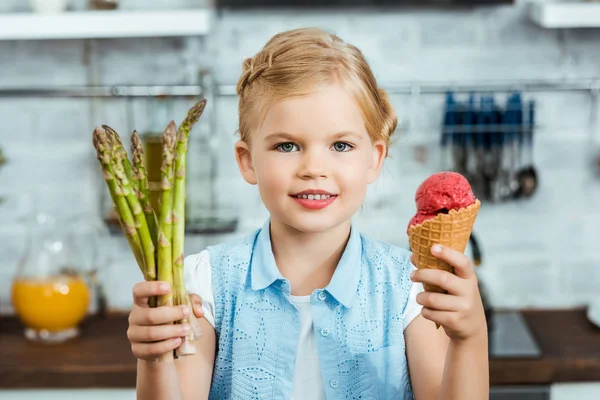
{"type": "Point", "coordinates": [342, 147]}
{"type": "Point", "coordinates": [286, 147]}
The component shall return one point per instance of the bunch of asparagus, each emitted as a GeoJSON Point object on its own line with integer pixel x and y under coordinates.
{"type": "Point", "coordinates": [156, 237]}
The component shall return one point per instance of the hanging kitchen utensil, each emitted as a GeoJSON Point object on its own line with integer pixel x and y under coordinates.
{"type": "Point", "coordinates": [475, 250]}
{"type": "Point", "coordinates": [506, 142]}
{"type": "Point", "coordinates": [528, 175]}
{"type": "Point", "coordinates": [497, 138]}
{"type": "Point", "coordinates": [512, 125]}
{"type": "Point", "coordinates": [490, 163]}
{"type": "Point", "coordinates": [447, 132]}
{"type": "Point", "coordinates": [459, 150]}
{"type": "Point", "coordinates": [474, 175]}
{"type": "Point", "coordinates": [515, 150]}
{"type": "Point", "coordinates": [478, 131]}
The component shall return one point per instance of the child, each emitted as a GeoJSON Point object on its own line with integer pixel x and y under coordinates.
{"type": "Point", "coordinates": [307, 307]}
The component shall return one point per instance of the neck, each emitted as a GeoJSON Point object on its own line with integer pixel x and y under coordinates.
{"type": "Point", "coordinates": [308, 260]}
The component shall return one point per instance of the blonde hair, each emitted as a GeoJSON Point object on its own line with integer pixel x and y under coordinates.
{"type": "Point", "coordinates": [295, 62]}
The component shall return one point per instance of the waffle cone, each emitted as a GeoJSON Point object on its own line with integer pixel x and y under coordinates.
{"type": "Point", "coordinates": [451, 230]}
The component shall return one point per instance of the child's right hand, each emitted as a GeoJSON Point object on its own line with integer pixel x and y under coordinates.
{"type": "Point", "coordinates": [151, 331]}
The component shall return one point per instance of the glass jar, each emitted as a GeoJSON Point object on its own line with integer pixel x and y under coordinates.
{"type": "Point", "coordinates": [50, 294]}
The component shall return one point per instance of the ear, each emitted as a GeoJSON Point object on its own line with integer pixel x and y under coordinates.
{"type": "Point", "coordinates": [244, 161]}
{"type": "Point", "coordinates": [379, 152]}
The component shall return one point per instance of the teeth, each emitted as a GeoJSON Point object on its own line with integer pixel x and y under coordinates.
{"type": "Point", "coordinates": [314, 196]}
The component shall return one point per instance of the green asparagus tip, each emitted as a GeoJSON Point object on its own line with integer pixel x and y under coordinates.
{"type": "Point", "coordinates": [192, 117]}
{"type": "Point", "coordinates": [136, 144]}
{"type": "Point", "coordinates": [100, 140]}
{"type": "Point", "coordinates": [170, 131]}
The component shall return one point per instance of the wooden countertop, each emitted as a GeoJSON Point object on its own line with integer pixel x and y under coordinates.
{"type": "Point", "coordinates": [101, 357]}
{"type": "Point", "coordinates": [570, 346]}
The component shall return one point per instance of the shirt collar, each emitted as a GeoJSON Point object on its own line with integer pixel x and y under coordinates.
{"type": "Point", "coordinates": [343, 284]}
{"type": "Point", "coordinates": [263, 269]}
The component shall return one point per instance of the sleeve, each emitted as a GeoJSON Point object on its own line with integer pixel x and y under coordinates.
{"type": "Point", "coordinates": [197, 274]}
{"type": "Point", "coordinates": [413, 309]}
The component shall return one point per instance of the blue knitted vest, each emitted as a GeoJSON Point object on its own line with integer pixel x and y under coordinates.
{"type": "Point", "coordinates": [360, 339]}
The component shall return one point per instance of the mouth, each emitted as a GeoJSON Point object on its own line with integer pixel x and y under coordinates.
{"type": "Point", "coordinates": [314, 199]}
{"type": "Point", "coordinates": [313, 195]}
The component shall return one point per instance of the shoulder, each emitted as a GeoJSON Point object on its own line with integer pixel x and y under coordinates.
{"type": "Point", "coordinates": [234, 250]}
{"type": "Point", "coordinates": [379, 252]}
{"type": "Point", "coordinates": [385, 281]}
{"type": "Point", "coordinates": [222, 257]}
{"type": "Point", "coordinates": [386, 268]}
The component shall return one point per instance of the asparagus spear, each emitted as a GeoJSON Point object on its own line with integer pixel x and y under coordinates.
{"type": "Point", "coordinates": [116, 139]}
{"type": "Point", "coordinates": [165, 228]}
{"type": "Point", "coordinates": [143, 193]}
{"type": "Point", "coordinates": [180, 293]}
{"type": "Point", "coordinates": [136, 209]}
{"type": "Point", "coordinates": [103, 150]}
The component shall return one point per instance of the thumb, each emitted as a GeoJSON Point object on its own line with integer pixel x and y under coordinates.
{"type": "Point", "coordinates": [197, 305]}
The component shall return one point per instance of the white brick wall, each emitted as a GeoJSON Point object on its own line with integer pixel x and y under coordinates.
{"type": "Point", "coordinates": [537, 253]}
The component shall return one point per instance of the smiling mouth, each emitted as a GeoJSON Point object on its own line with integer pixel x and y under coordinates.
{"type": "Point", "coordinates": [313, 196]}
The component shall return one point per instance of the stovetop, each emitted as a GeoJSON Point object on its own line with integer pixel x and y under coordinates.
{"type": "Point", "coordinates": [510, 337]}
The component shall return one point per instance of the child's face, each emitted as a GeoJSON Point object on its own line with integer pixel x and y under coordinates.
{"type": "Point", "coordinates": [312, 145]}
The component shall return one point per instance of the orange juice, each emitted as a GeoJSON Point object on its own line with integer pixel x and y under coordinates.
{"type": "Point", "coordinates": [52, 304]}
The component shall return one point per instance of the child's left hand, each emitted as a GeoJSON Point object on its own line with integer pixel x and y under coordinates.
{"type": "Point", "coordinates": [460, 312]}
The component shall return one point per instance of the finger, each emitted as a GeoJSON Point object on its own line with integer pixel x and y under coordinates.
{"type": "Point", "coordinates": [441, 302]}
{"type": "Point", "coordinates": [461, 263]}
{"type": "Point", "coordinates": [412, 259]}
{"type": "Point", "coordinates": [143, 290]}
{"type": "Point", "coordinates": [444, 318]}
{"type": "Point", "coordinates": [159, 315]}
{"type": "Point", "coordinates": [195, 298]}
{"type": "Point", "coordinates": [149, 334]}
{"type": "Point", "coordinates": [197, 305]}
{"type": "Point", "coordinates": [444, 279]}
{"type": "Point", "coordinates": [151, 351]}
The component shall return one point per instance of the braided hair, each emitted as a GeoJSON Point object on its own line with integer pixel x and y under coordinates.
{"type": "Point", "coordinates": [294, 63]}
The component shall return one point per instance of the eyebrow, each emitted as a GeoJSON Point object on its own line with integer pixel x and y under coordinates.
{"type": "Point", "coordinates": [288, 136]}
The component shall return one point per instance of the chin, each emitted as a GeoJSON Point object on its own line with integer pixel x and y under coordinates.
{"type": "Point", "coordinates": [313, 222]}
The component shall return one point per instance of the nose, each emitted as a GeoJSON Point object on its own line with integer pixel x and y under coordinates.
{"type": "Point", "coordinates": [313, 165]}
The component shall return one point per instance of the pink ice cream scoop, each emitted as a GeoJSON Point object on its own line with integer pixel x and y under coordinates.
{"type": "Point", "coordinates": [441, 193]}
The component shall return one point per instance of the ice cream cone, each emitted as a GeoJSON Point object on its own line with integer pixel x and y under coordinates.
{"type": "Point", "coordinates": [451, 230]}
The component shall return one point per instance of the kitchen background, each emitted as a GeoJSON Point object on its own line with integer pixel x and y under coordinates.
{"type": "Point", "coordinates": [537, 252]}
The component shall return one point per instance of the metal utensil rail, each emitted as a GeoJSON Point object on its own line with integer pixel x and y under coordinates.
{"type": "Point", "coordinates": [582, 85]}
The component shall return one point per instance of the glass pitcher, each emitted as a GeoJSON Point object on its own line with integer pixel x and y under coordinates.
{"type": "Point", "coordinates": [50, 294]}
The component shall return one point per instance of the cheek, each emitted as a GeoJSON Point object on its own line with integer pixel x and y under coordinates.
{"type": "Point", "coordinates": [355, 168]}
{"type": "Point", "coordinates": [271, 171]}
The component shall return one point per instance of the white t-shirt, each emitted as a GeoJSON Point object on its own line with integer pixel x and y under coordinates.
{"type": "Point", "coordinates": [308, 383]}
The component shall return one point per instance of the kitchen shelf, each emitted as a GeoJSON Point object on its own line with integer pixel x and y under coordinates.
{"type": "Point", "coordinates": [572, 14]}
{"type": "Point", "coordinates": [104, 24]}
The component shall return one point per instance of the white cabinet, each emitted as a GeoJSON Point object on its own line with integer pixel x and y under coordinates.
{"type": "Point", "coordinates": [105, 24]}
{"type": "Point", "coordinates": [575, 391]}
{"type": "Point", "coordinates": [565, 14]}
